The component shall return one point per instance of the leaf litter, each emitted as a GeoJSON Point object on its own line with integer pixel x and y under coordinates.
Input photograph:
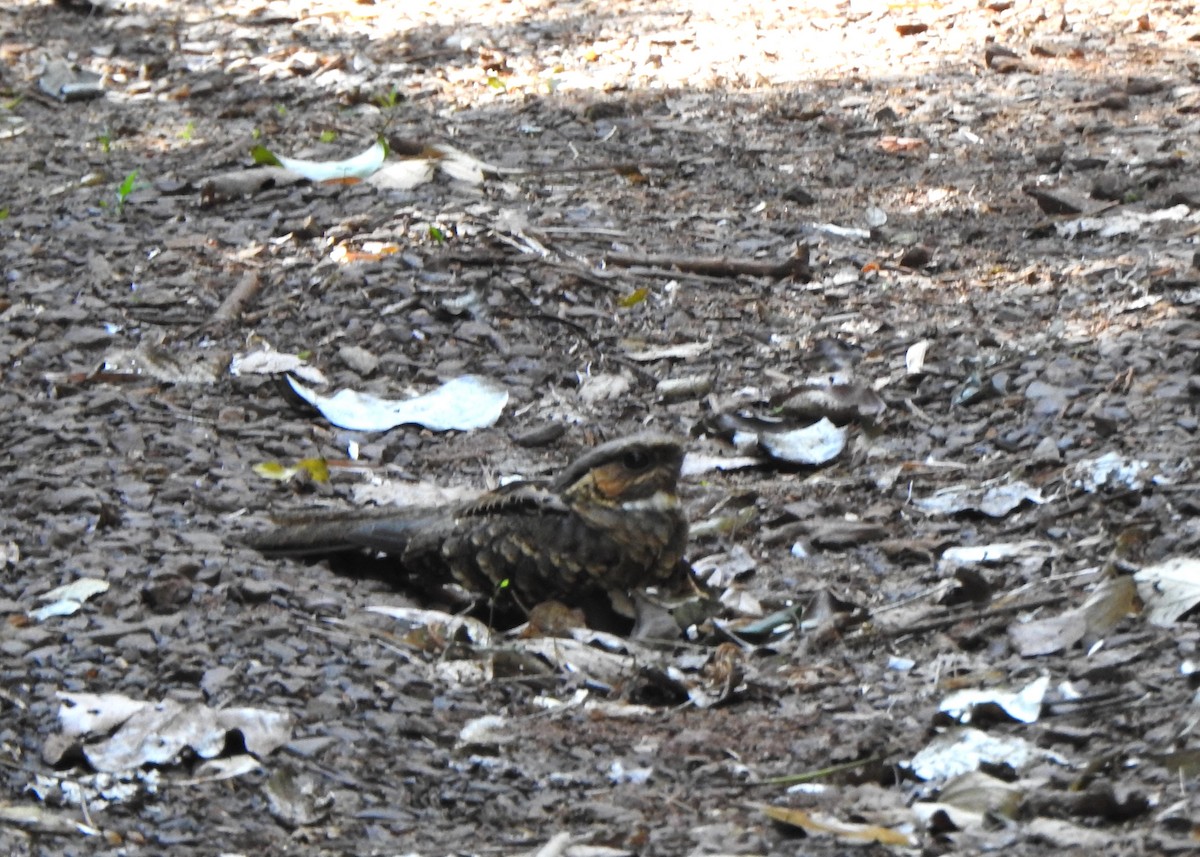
{"type": "Point", "coordinates": [612, 202]}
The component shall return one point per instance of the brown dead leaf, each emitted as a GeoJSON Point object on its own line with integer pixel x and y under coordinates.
{"type": "Point", "coordinates": [896, 145]}
{"type": "Point", "coordinates": [812, 824]}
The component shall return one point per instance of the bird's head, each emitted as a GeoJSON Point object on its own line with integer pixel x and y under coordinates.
{"type": "Point", "coordinates": [634, 472]}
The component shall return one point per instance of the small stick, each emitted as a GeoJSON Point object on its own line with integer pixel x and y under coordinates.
{"type": "Point", "coordinates": [720, 266]}
{"type": "Point", "coordinates": [248, 286]}
{"type": "Point", "coordinates": [939, 623]}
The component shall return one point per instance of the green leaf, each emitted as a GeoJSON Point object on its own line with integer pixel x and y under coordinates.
{"type": "Point", "coordinates": [634, 298]}
{"type": "Point", "coordinates": [388, 100]}
{"type": "Point", "coordinates": [264, 157]}
{"type": "Point", "coordinates": [436, 234]}
{"type": "Point", "coordinates": [273, 470]}
{"type": "Point", "coordinates": [316, 468]}
{"type": "Point", "coordinates": [125, 189]}
{"type": "Point", "coordinates": [328, 135]}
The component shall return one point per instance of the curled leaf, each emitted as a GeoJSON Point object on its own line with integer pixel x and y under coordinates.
{"type": "Point", "coordinates": [813, 445]}
{"type": "Point", "coordinates": [360, 166]}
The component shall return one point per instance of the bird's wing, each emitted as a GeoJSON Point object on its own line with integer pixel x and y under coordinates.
{"type": "Point", "coordinates": [526, 499]}
{"type": "Point", "coordinates": [411, 533]}
{"type": "Point", "coordinates": [532, 497]}
{"type": "Point", "coordinates": [393, 534]}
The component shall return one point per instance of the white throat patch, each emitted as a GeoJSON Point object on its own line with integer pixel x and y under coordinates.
{"type": "Point", "coordinates": [659, 501]}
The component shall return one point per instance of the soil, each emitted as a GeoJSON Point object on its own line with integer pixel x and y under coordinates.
{"type": "Point", "coordinates": [1001, 213]}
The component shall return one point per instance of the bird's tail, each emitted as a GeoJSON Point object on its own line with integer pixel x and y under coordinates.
{"type": "Point", "coordinates": [383, 530]}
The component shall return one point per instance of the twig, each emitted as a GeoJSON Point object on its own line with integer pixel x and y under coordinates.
{"type": "Point", "coordinates": [247, 287]}
{"type": "Point", "coordinates": [643, 271]}
{"type": "Point", "coordinates": [1182, 488]}
{"type": "Point", "coordinates": [1092, 702]}
{"type": "Point", "coordinates": [584, 274]}
{"type": "Point", "coordinates": [975, 615]}
{"type": "Point", "coordinates": [938, 589]}
{"type": "Point", "coordinates": [570, 231]}
{"type": "Point", "coordinates": [820, 773]}
{"type": "Point", "coordinates": [721, 266]}
{"type": "Point", "coordinates": [622, 167]}
{"type": "Point", "coordinates": [83, 806]}
{"type": "Point", "coordinates": [556, 847]}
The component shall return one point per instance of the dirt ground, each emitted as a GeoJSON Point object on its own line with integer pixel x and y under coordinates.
{"type": "Point", "coordinates": [1001, 209]}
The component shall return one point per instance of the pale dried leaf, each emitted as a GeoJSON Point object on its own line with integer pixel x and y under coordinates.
{"type": "Point", "coordinates": [1169, 589]}
{"type": "Point", "coordinates": [959, 751]}
{"type": "Point", "coordinates": [465, 403]}
{"type": "Point", "coordinates": [812, 445]}
{"type": "Point", "coordinates": [1024, 705]}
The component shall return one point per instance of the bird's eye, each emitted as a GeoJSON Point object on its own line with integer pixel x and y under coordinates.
{"type": "Point", "coordinates": [636, 459]}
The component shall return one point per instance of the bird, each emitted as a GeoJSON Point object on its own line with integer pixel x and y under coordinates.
{"type": "Point", "coordinates": [609, 527]}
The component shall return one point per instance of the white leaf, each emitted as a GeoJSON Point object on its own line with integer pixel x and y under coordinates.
{"type": "Point", "coordinates": [274, 363]}
{"type": "Point", "coordinates": [914, 358]}
{"type": "Point", "coordinates": [1024, 705]}
{"type": "Point", "coordinates": [959, 751]}
{"type": "Point", "coordinates": [1169, 589]}
{"type": "Point", "coordinates": [403, 175]}
{"type": "Point", "coordinates": [995, 501]}
{"type": "Point", "coordinates": [467, 402]}
{"type": "Point", "coordinates": [360, 166]}
{"type": "Point", "coordinates": [813, 445]}
{"type": "Point", "coordinates": [92, 713]}
{"type": "Point", "coordinates": [683, 351]}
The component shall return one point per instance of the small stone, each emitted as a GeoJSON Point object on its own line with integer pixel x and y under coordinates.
{"type": "Point", "coordinates": [1144, 85]}
{"type": "Point", "coordinates": [679, 389]}
{"type": "Point", "coordinates": [1048, 155]}
{"type": "Point", "coordinates": [1113, 101]}
{"type": "Point", "coordinates": [214, 679]}
{"type": "Point", "coordinates": [87, 337]}
{"type": "Point", "coordinates": [1189, 196]}
{"type": "Point", "coordinates": [1054, 201]}
{"type": "Point", "coordinates": [1046, 452]}
{"type": "Point", "coordinates": [310, 747]}
{"type": "Point", "coordinates": [917, 257]}
{"type": "Point", "coordinates": [799, 195]}
{"type": "Point", "coordinates": [1109, 187]}
{"type": "Point", "coordinates": [359, 359]}
{"type": "Point", "coordinates": [250, 591]}
{"type": "Point", "coordinates": [168, 593]}
{"type": "Point", "coordinates": [541, 435]}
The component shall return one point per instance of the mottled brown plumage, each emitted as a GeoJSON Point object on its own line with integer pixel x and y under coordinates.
{"type": "Point", "coordinates": [610, 525]}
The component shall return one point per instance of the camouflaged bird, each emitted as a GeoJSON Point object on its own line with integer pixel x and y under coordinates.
{"type": "Point", "coordinates": [610, 525]}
